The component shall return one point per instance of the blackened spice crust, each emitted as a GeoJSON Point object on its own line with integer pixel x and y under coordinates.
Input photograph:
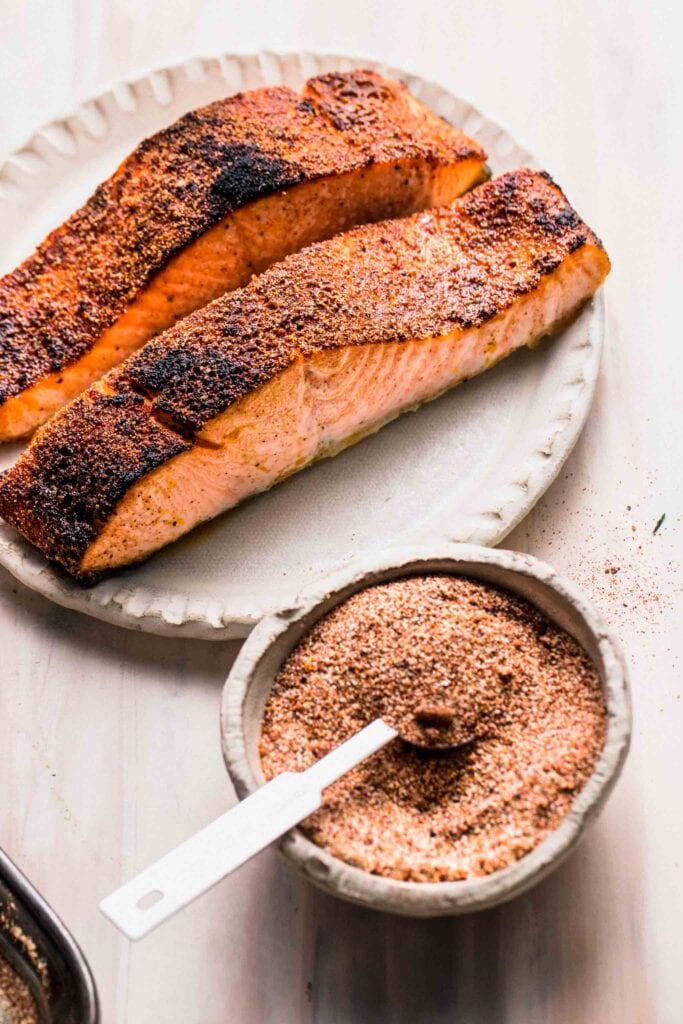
{"type": "Point", "coordinates": [69, 481]}
{"type": "Point", "coordinates": [423, 276]}
{"type": "Point", "coordinates": [182, 181]}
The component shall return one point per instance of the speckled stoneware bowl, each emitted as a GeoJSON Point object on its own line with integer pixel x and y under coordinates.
{"type": "Point", "coordinates": [249, 683]}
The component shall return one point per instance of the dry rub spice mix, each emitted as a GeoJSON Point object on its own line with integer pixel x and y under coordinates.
{"type": "Point", "coordinates": [450, 662]}
{"type": "Point", "coordinates": [17, 1005]}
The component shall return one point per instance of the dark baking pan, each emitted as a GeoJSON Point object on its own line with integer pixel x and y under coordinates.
{"type": "Point", "coordinates": [42, 952]}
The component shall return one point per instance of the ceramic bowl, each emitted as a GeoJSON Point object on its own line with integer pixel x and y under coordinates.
{"type": "Point", "coordinates": [249, 683]}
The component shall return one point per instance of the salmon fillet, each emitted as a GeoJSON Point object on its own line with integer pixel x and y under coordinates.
{"type": "Point", "coordinates": [200, 207]}
{"type": "Point", "coordinates": [314, 354]}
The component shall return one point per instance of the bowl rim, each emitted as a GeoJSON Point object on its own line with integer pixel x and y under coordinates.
{"type": "Point", "coordinates": [426, 899]}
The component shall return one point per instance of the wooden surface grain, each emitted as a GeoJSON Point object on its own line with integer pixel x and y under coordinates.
{"type": "Point", "coordinates": [109, 748]}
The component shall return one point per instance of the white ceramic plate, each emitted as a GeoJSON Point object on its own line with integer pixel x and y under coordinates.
{"type": "Point", "coordinates": [467, 467]}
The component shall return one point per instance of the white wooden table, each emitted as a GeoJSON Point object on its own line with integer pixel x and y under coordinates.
{"type": "Point", "coordinates": [109, 748]}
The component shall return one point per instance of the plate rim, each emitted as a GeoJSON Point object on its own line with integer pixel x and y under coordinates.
{"type": "Point", "coordinates": [170, 614]}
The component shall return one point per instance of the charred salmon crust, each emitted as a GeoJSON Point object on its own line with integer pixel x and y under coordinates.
{"type": "Point", "coordinates": [424, 302]}
{"type": "Point", "coordinates": [80, 482]}
{"type": "Point", "coordinates": [187, 179]}
{"type": "Point", "coordinates": [452, 268]}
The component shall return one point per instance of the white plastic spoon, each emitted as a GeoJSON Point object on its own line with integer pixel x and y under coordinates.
{"type": "Point", "coordinates": [167, 886]}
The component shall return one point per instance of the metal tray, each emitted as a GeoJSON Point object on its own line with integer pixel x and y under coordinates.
{"type": "Point", "coordinates": [37, 945]}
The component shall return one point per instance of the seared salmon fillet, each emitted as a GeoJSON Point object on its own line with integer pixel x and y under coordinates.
{"type": "Point", "coordinates": [314, 354]}
{"type": "Point", "coordinates": [199, 208]}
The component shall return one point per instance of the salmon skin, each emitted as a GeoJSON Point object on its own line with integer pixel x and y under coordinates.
{"type": "Point", "coordinates": [200, 207]}
{"type": "Point", "coordinates": [318, 351]}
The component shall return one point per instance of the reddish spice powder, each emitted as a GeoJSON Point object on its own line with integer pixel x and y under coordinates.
{"type": "Point", "coordinates": [17, 1005]}
{"type": "Point", "coordinates": [524, 695]}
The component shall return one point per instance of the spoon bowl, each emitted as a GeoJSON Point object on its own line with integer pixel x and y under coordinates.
{"type": "Point", "coordinates": [436, 738]}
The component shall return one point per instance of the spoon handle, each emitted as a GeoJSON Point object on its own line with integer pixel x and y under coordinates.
{"type": "Point", "coordinates": [205, 858]}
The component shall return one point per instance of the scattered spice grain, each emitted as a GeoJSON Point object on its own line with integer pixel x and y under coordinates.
{"type": "Point", "coordinates": [522, 688]}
